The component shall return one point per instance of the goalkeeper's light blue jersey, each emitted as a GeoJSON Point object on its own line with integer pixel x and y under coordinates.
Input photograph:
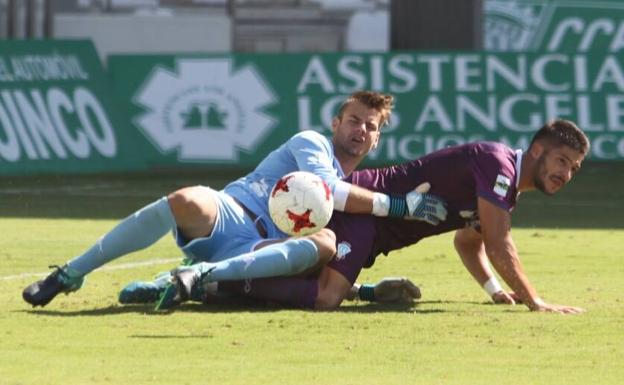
{"type": "Point", "coordinates": [305, 151]}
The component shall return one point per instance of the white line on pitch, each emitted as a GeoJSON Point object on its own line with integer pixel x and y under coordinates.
{"type": "Point", "coordinates": [123, 266]}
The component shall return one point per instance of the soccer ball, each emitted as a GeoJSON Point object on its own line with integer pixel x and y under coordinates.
{"type": "Point", "coordinates": [301, 203]}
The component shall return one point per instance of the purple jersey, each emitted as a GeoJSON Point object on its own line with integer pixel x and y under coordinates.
{"type": "Point", "coordinates": [458, 175]}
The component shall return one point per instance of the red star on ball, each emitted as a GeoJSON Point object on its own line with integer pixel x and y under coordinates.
{"type": "Point", "coordinates": [281, 185]}
{"type": "Point", "coordinates": [300, 221]}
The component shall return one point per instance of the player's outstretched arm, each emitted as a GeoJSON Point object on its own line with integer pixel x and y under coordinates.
{"type": "Point", "coordinates": [502, 252]}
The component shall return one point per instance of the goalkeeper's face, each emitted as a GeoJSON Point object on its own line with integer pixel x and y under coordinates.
{"type": "Point", "coordinates": [555, 167]}
{"type": "Point", "coordinates": [356, 131]}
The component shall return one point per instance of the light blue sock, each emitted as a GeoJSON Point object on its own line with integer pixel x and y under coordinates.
{"type": "Point", "coordinates": [286, 258]}
{"type": "Point", "coordinates": [139, 230]}
{"type": "Point", "coordinates": [162, 279]}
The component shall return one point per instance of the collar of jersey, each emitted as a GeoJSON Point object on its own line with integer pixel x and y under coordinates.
{"type": "Point", "coordinates": [518, 166]}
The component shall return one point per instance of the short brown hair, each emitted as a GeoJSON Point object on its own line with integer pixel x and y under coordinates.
{"type": "Point", "coordinates": [376, 100]}
{"type": "Point", "coordinates": [562, 132]}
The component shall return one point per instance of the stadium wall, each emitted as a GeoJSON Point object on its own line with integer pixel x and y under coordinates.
{"type": "Point", "coordinates": [149, 32]}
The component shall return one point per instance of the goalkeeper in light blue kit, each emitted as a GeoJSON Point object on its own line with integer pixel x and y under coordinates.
{"type": "Point", "coordinates": [231, 229]}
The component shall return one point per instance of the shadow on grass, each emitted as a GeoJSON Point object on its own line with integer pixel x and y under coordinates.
{"type": "Point", "coordinates": [170, 336]}
{"type": "Point", "coordinates": [234, 305]}
{"type": "Point", "coordinates": [110, 310]}
{"type": "Point", "coordinates": [401, 307]}
{"type": "Point", "coordinates": [243, 305]}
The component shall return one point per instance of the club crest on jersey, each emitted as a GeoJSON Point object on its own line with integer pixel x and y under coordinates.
{"type": "Point", "coordinates": [344, 248]}
{"type": "Point", "coordinates": [502, 185]}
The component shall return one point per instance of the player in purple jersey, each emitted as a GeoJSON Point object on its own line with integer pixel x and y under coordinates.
{"type": "Point", "coordinates": [480, 183]}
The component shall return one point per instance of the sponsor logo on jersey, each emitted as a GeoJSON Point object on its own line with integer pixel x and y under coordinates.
{"type": "Point", "coordinates": [205, 110]}
{"type": "Point", "coordinates": [502, 185]}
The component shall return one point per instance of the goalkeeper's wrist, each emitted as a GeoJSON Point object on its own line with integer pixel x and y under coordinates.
{"type": "Point", "coordinates": [381, 204]}
{"type": "Point", "coordinates": [367, 292]}
{"type": "Point", "coordinates": [492, 286]}
{"type": "Point", "coordinates": [389, 206]}
{"type": "Point", "coordinates": [398, 207]}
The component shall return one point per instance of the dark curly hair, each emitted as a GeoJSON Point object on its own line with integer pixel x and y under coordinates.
{"type": "Point", "coordinates": [562, 132]}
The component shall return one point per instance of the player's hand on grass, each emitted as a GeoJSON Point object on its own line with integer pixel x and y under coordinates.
{"type": "Point", "coordinates": [506, 297]}
{"type": "Point", "coordinates": [561, 309]}
{"type": "Point", "coordinates": [396, 290]}
{"type": "Point", "coordinates": [423, 206]}
{"type": "Point", "coordinates": [540, 305]}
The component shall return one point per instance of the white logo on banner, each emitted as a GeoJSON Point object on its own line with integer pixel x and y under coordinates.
{"type": "Point", "coordinates": [205, 110]}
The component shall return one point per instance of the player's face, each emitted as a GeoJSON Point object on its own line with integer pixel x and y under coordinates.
{"type": "Point", "coordinates": [555, 167]}
{"type": "Point", "coordinates": [357, 131]}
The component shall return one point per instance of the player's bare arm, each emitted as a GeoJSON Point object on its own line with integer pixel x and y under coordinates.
{"type": "Point", "coordinates": [502, 253]}
{"type": "Point", "coordinates": [470, 247]}
{"type": "Point", "coordinates": [359, 200]}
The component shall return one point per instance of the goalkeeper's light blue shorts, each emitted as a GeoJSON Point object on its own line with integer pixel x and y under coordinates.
{"type": "Point", "coordinates": [235, 232]}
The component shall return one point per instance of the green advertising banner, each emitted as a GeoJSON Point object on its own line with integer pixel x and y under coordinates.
{"type": "Point", "coordinates": [56, 111]}
{"type": "Point", "coordinates": [554, 25]}
{"type": "Point", "coordinates": [233, 109]}
{"type": "Point", "coordinates": [59, 113]}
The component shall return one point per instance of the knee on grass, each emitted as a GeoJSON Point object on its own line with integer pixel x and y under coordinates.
{"type": "Point", "coordinates": [328, 299]}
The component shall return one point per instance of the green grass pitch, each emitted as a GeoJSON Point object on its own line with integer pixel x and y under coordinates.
{"type": "Point", "coordinates": [572, 247]}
